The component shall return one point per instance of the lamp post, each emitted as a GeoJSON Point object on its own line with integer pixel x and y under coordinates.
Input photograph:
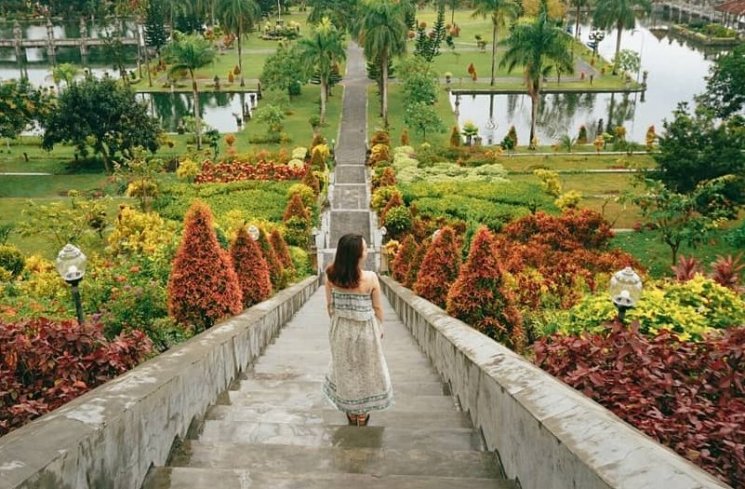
{"type": "Point", "coordinates": [71, 267]}
{"type": "Point", "coordinates": [595, 37]}
{"type": "Point", "coordinates": [254, 232]}
{"type": "Point", "coordinates": [625, 290]}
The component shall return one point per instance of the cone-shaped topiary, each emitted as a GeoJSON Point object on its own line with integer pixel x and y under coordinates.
{"type": "Point", "coordinates": [439, 267]}
{"type": "Point", "coordinates": [311, 180]}
{"type": "Point", "coordinates": [203, 286]}
{"type": "Point", "coordinates": [402, 262]}
{"type": "Point", "coordinates": [251, 268]}
{"type": "Point", "coordinates": [295, 208]}
{"type": "Point", "coordinates": [276, 271]}
{"type": "Point", "coordinates": [455, 137]}
{"type": "Point", "coordinates": [387, 178]}
{"type": "Point", "coordinates": [405, 140]}
{"type": "Point", "coordinates": [479, 297]}
{"type": "Point", "coordinates": [416, 263]}
{"type": "Point", "coordinates": [282, 251]}
{"type": "Point", "coordinates": [394, 201]}
{"type": "Point", "coordinates": [317, 159]}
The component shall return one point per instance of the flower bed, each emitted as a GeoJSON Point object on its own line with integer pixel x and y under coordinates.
{"type": "Point", "coordinates": [237, 171]}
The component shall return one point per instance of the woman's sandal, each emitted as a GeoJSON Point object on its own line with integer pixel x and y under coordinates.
{"type": "Point", "coordinates": [362, 419]}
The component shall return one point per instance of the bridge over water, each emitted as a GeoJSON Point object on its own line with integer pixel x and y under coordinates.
{"type": "Point", "coordinates": [240, 405]}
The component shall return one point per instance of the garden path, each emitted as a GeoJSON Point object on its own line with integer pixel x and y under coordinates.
{"type": "Point", "coordinates": [276, 429]}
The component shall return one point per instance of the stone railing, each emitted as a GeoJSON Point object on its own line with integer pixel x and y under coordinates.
{"type": "Point", "coordinates": [547, 435]}
{"type": "Point", "coordinates": [109, 437]}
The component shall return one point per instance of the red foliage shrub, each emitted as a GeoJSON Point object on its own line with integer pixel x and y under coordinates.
{"type": "Point", "coordinates": [386, 179]}
{"type": "Point", "coordinates": [479, 297]}
{"type": "Point", "coordinates": [295, 208]}
{"type": "Point", "coordinates": [401, 263]}
{"type": "Point", "coordinates": [203, 286]}
{"type": "Point", "coordinates": [235, 171]}
{"type": "Point", "coordinates": [45, 364]}
{"type": "Point", "coordinates": [686, 269]}
{"type": "Point", "coordinates": [726, 271]}
{"type": "Point", "coordinates": [689, 396]}
{"type": "Point", "coordinates": [311, 180]}
{"type": "Point", "coordinates": [416, 263]}
{"type": "Point", "coordinates": [394, 201]}
{"type": "Point", "coordinates": [558, 255]}
{"type": "Point", "coordinates": [276, 270]}
{"type": "Point", "coordinates": [439, 267]}
{"type": "Point", "coordinates": [280, 249]}
{"type": "Point", "coordinates": [251, 269]}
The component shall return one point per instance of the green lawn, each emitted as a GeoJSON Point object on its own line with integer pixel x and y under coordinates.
{"type": "Point", "coordinates": [656, 256]}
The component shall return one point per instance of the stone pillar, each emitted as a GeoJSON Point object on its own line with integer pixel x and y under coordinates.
{"type": "Point", "coordinates": [51, 50]}
{"type": "Point", "coordinates": [83, 41]}
{"type": "Point", "coordinates": [18, 43]}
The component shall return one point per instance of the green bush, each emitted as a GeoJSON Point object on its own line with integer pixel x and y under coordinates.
{"type": "Point", "coordinates": [301, 261]}
{"type": "Point", "coordinates": [381, 197]}
{"type": "Point", "coordinates": [11, 259]}
{"type": "Point", "coordinates": [736, 236]}
{"type": "Point", "coordinates": [689, 309]}
{"type": "Point", "coordinates": [297, 232]}
{"type": "Point", "coordinates": [398, 220]}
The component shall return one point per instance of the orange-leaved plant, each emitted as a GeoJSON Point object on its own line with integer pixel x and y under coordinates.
{"type": "Point", "coordinates": [439, 268]}
{"type": "Point", "coordinates": [283, 253]}
{"type": "Point", "coordinates": [479, 296]}
{"type": "Point", "coordinates": [416, 263]}
{"type": "Point", "coordinates": [251, 268]}
{"type": "Point", "coordinates": [295, 208]}
{"type": "Point", "coordinates": [203, 286]}
{"type": "Point", "coordinates": [276, 270]}
{"type": "Point", "coordinates": [402, 262]}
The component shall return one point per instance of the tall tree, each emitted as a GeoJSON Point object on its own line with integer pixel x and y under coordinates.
{"type": "Point", "coordinates": [21, 105]}
{"type": "Point", "coordinates": [102, 115]}
{"type": "Point", "coordinates": [501, 12]}
{"type": "Point", "coordinates": [381, 31]}
{"type": "Point", "coordinates": [619, 14]}
{"type": "Point", "coordinates": [725, 85]}
{"type": "Point", "coordinates": [238, 17]}
{"type": "Point", "coordinates": [341, 12]}
{"type": "Point", "coordinates": [188, 54]}
{"type": "Point", "coordinates": [539, 46]}
{"type": "Point", "coordinates": [578, 4]}
{"type": "Point", "coordinates": [323, 49]}
{"type": "Point", "coordinates": [155, 30]}
{"type": "Point", "coordinates": [285, 70]}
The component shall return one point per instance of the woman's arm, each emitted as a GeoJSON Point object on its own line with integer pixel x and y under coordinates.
{"type": "Point", "coordinates": [329, 299]}
{"type": "Point", "coordinates": [376, 300]}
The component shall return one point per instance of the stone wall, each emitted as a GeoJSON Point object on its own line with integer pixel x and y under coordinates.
{"type": "Point", "coordinates": [548, 435]}
{"type": "Point", "coordinates": [109, 437]}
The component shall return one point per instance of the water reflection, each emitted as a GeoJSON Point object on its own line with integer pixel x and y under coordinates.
{"type": "Point", "coordinates": [220, 110]}
{"type": "Point", "coordinates": [676, 73]}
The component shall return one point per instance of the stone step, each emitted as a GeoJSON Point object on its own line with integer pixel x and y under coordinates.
{"type": "Point", "coordinates": [305, 460]}
{"type": "Point", "coordinates": [416, 437]}
{"type": "Point", "coordinates": [316, 400]}
{"type": "Point", "coordinates": [320, 360]}
{"type": "Point", "coordinates": [410, 388]}
{"type": "Point", "coordinates": [318, 375]}
{"type": "Point", "coordinates": [332, 417]}
{"type": "Point", "coordinates": [199, 478]}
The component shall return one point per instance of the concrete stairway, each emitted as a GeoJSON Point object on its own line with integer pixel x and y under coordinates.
{"type": "Point", "coordinates": [276, 430]}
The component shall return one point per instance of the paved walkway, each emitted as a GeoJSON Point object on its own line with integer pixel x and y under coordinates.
{"type": "Point", "coordinates": [276, 430]}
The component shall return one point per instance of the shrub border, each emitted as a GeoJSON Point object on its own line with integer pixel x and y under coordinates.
{"type": "Point", "coordinates": [547, 435]}
{"type": "Point", "coordinates": [110, 436]}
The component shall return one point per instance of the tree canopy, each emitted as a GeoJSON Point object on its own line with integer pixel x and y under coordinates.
{"type": "Point", "coordinates": [695, 147]}
{"type": "Point", "coordinates": [20, 106]}
{"type": "Point", "coordinates": [102, 115]}
{"type": "Point", "coordinates": [725, 85]}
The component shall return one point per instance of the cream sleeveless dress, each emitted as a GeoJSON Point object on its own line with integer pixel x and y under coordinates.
{"type": "Point", "coordinates": [358, 380]}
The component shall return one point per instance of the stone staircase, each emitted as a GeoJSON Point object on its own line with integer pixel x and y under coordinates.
{"type": "Point", "coordinates": [276, 430]}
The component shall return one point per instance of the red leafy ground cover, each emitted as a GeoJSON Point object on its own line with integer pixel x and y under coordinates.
{"type": "Point", "coordinates": [45, 364]}
{"type": "Point", "coordinates": [263, 170]}
{"type": "Point", "coordinates": [689, 396]}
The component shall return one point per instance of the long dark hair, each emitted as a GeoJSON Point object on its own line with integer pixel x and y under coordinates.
{"type": "Point", "coordinates": [345, 271]}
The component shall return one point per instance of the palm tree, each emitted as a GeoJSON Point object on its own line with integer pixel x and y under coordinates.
{"type": "Point", "coordinates": [620, 14]}
{"type": "Point", "coordinates": [579, 4]}
{"type": "Point", "coordinates": [237, 17]}
{"type": "Point", "coordinates": [189, 53]}
{"type": "Point", "coordinates": [501, 12]}
{"type": "Point", "coordinates": [382, 32]}
{"type": "Point", "coordinates": [64, 72]}
{"type": "Point", "coordinates": [539, 46]}
{"type": "Point", "coordinates": [323, 49]}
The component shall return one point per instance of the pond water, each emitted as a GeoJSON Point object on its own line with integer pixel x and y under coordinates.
{"type": "Point", "coordinates": [219, 109]}
{"type": "Point", "coordinates": [676, 73]}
